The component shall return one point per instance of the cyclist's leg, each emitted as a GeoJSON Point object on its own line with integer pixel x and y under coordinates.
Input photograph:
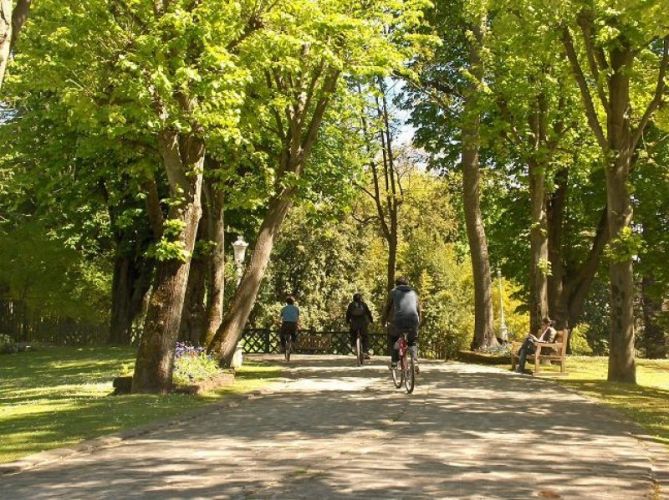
{"type": "Point", "coordinates": [393, 335]}
{"type": "Point", "coordinates": [365, 339]}
{"type": "Point", "coordinates": [282, 337]}
{"type": "Point", "coordinates": [412, 340]}
{"type": "Point", "coordinates": [353, 335]}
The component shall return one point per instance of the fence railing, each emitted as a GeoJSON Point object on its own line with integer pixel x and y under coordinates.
{"type": "Point", "coordinates": [266, 340]}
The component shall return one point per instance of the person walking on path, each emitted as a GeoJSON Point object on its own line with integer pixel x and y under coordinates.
{"type": "Point", "coordinates": [358, 316]}
{"type": "Point", "coordinates": [290, 320]}
{"type": "Point", "coordinates": [548, 334]}
{"type": "Point", "coordinates": [402, 314]}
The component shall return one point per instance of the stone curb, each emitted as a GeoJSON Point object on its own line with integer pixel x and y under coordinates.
{"type": "Point", "coordinates": [117, 438]}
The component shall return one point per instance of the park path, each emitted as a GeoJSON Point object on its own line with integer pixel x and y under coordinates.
{"type": "Point", "coordinates": [333, 430]}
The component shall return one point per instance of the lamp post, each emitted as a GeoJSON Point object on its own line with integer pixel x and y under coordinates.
{"type": "Point", "coordinates": [239, 248]}
{"type": "Point", "coordinates": [503, 332]}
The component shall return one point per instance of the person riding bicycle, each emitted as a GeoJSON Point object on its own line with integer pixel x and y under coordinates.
{"type": "Point", "coordinates": [402, 314]}
{"type": "Point", "coordinates": [358, 316]}
{"type": "Point", "coordinates": [290, 319]}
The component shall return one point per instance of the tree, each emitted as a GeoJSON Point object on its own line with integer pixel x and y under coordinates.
{"type": "Point", "coordinates": [612, 42]}
{"type": "Point", "coordinates": [449, 101]}
{"type": "Point", "coordinates": [12, 19]}
{"type": "Point", "coordinates": [386, 189]}
{"type": "Point", "coordinates": [312, 47]}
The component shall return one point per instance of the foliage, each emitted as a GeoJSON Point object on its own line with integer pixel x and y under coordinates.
{"type": "Point", "coordinates": [52, 279]}
{"type": "Point", "coordinates": [578, 340]}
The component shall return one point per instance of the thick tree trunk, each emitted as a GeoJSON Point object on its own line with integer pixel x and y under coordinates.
{"type": "Point", "coordinates": [130, 284]}
{"type": "Point", "coordinates": [478, 246]}
{"type": "Point", "coordinates": [121, 317]}
{"type": "Point", "coordinates": [621, 359]}
{"type": "Point", "coordinates": [5, 36]}
{"type": "Point", "coordinates": [538, 247]}
{"type": "Point", "coordinates": [228, 335]}
{"type": "Point", "coordinates": [193, 319]}
{"type": "Point", "coordinates": [216, 264]}
{"type": "Point", "coordinates": [183, 159]}
{"type": "Point", "coordinates": [392, 263]}
{"type": "Point", "coordinates": [484, 335]}
{"type": "Point", "coordinates": [19, 18]}
{"type": "Point", "coordinates": [654, 338]}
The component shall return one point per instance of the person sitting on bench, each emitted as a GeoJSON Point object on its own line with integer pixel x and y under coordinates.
{"type": "Point", "coordinates": [547, 335]}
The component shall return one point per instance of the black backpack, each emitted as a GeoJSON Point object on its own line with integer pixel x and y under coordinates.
{"type": "Point", "coordinates": [358, 309]}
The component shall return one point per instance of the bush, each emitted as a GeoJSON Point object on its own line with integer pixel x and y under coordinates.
{"type": "Point", "coordinates": [579, 340]}
{"type": "Point", "coordinates": [193, 364]}
{"type": "Point", "coordinates": [7, 345]}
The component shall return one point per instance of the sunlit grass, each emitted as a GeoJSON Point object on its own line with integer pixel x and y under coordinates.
{"type": "Point", "coordinates": [647, 403]}
{"type": "Point", "coordinates": [60, 396]}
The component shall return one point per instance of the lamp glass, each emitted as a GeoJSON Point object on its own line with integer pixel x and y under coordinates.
{"type": "Point", "coordinates": [239, 248]}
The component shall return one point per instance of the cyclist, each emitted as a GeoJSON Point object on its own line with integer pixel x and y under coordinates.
{"type": "Point", "coordinates": [402, 314]}
{"type": "Point", "coordinates": [358, 316]}
{"type": "Point", "coordinates": [290, 319]}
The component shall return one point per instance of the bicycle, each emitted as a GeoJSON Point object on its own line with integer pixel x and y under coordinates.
{"type": "Point", "coordinates": [405, 370]}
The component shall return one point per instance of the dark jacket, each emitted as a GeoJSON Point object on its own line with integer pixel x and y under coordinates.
{"type": "Point", "coordinates": [358, 321]}
{"type": "Point", "coordinates": [403, 308]}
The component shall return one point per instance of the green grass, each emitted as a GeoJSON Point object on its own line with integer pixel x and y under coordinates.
{"type": "Point", "coordinates": [60, 396]}
{"type": "Point", "coordinates": [646, 403]}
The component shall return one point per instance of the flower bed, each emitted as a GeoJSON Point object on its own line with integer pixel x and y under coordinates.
{"type": "Point", "coordinates": [195, 372]}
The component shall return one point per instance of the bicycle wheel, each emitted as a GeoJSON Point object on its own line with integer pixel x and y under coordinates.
{"type": "Point", "coordinates": [358, 351]}
{"type": "Point", "coordinates": [398, 374]}
{"type": "Point", "coordinates": [410, 375]}
{"type": "Point", "coordinates": [289, 347]}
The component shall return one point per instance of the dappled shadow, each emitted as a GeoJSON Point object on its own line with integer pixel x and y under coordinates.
{"type": "Point", "coordinates": [334, 430]}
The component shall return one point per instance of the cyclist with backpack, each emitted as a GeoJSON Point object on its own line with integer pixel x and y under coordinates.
{"type": "Point", "coordinates": [358, 316]}
{"type": "Point", "coordinates": [402, 314]}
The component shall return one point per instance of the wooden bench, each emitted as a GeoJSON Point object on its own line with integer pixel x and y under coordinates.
{"type": "Point", "coordinates": [550, 351]}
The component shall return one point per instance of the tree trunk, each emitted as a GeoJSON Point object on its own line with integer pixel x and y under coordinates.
{"type": "Point", "coordinates": [392, 262]}
{"type": "Point", "coordinates": [484, 334]}
{"type": "Point", "coordinates": [184, 160]}
{"type": "Point", "coordinates": [216, 263]}
{"type": "Point", "coordinates": [538, 247]}
{"type": "Point", "coordinates": [5, 36]}
{"type": "Point", "coordinates": [19, 18]}
{"type": "Point", "coordinates": [654, 338]}
{"type": "Point", "coordinates": [228, 335]}
{"type": "Point", "coordinates": [121, 318]}
{"type": "Point", "coordinates": [193, 319]}
{"type": "Point", "coordinates": [621, 359]}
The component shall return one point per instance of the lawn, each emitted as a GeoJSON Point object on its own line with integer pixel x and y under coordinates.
{"type": "Point", "coordinates": [60, 396]}
{"type": "Point", "coordinates": [646, 403]}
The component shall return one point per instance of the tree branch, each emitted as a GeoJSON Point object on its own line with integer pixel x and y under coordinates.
{"type": "Point", "coordinates": [657, 97]}
{"type": "Point", "coordinates": [585, 22]}
{"type": "Point", "coordinates": [590, 111]}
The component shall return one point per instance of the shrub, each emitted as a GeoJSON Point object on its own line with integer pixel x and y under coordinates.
{"type": "Point", "coordinates": [579, 340]}
{"type": "Point", "coordinates": [7, 345]}
{"type": "Point", "coordinates": [193, 364]}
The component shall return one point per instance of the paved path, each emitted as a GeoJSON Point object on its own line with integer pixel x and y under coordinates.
{"type": "Point", "coordinates": [332, 430]}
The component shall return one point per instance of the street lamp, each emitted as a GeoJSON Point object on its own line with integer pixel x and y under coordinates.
{"type": "Point", "coordinates": [239, 248]}
{"type": "Point", "coordinates": [503, 332]}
